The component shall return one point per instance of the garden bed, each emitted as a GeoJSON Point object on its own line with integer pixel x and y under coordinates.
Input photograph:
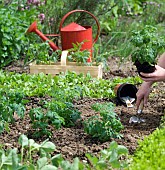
{"type": "Point", "coordinates": [73, 142]}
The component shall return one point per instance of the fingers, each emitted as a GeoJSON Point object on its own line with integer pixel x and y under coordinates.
{"type": "Point", "coordinates": [145, 101]}
{"type": "Point", "coordinates": [149, 79]}
{"type": "Point", "coordinates": [138, 101]}
{"type": "Point", "coordinates": [147, 75]}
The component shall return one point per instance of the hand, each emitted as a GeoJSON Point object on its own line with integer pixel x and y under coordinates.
{"type": "Point", "coordinates": [157, 75]}
{"type": "Point", "coordinates": [143, 93]}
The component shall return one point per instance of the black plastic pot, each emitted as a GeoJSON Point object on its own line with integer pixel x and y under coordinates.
{"type": "Point", "coordinates": [145, 67]}
{"type": "Point", "coordinates": [124, 90]}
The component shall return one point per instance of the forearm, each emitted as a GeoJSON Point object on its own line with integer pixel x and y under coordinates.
{"type": "Point", "coordinates": [161, 60]}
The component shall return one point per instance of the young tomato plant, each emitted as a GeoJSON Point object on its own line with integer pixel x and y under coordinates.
{"type": "Point", "coordinates": [77, 55]}
{"type": "Point", "coordinates": [104, 126]}
{"type": "Point", "coordinates": [147, 46]}
{"type": "Point", "coordinates": [41, 120]}
{"type": "Point", "coordinates": [10, 103]}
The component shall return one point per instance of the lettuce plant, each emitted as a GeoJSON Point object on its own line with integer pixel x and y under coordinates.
{"type": "Point", "coordinates": [150, 153]}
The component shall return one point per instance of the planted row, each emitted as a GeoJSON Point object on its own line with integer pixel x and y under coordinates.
{"type": "Point", "coordinates": [69, 86]}
{"type": "Point", "coordinates": [26, 159]}
{"type": "Point", "coordinates": [58, 113]}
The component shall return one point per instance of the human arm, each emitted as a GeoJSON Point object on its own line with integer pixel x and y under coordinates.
{"type": "Point", "coordinates": [145, 88]}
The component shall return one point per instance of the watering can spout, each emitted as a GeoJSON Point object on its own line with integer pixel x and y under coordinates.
{"type": "Point", "coordinates": [33, 28]}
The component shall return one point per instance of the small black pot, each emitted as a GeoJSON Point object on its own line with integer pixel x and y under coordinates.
{"type": "Point", "coordinates": [145, 67]}
{"type": "Point", "coordinates": [124, 90]}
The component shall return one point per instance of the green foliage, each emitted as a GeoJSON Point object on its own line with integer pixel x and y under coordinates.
{"type": "Point", "coordinates": [10, 160]}
{"type": "Point", "coordinates": [105, 126]}
{"type": "Point", "coordinates": [25, 160]}
{"type": "Point", "coordinates": [66, 86]}
{"type": "Point", "coordinates": [13, 24]}
{"type": "Point", "coordinates": [109, 158]}
{"type": "Point", "coordinates": [44, 56]}
{"type": "Point", "coordinates": [77, 55]}
{"type": "Point", "coordinates": [10, 103]}
{"type": "Point", "coordinates": [150, 154]}
{"type": "Point", "coordinates": [65, 110]}
{"type": "Point", "coordinates": [147, 45]}
{"type": "Point", "coordinates": [56, 12]}
{"type": "Point", "coordinates": [41, 121]}
{"type": "Point", "coordinates": [55, 113]}
{"type": "Point", "coordinates": [154, 12]}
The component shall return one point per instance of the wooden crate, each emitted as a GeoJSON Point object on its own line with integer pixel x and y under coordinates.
{"type": "Point", "coordinates": [63, 66]}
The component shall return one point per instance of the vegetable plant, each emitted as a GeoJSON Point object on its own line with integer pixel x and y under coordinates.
{"type": "Point", "coordinates": [41, 121]}
{"type": "Point", "coordinates": [150, 152]}
{"type": "Point", "coordinates": [44, 56]}
{"type": "Point", "coordinates": [26, 159]}
{"type": "Point", "coordinates": [109, 158]}
{"type": "Point", "coordinates": [55, 114]}
{"type": "Point", "coordinates": [147, 46]}
{"type": "Point", "coordinates": [105, 126]}
{"type": "Point", "coordinates": [77, 55]}
{"type": "Point", "coordinates": [10, 103]}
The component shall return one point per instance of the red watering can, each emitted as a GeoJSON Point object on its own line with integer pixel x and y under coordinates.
{"type": "Point", "coordinates": [72, 33]}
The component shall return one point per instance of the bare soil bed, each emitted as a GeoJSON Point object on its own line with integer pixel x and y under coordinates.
{"type": "Point", "coordinates": [73, 142]}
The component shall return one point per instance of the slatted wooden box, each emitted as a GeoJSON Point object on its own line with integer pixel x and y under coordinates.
{"type": "Point", "coordinates": [95, 71]}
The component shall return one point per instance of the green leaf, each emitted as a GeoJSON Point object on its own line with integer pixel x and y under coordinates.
{"type": "Point", "coordinates": [122, 150]}
{"type": "Point", "coordinates": [41, 162]}
{"type": "Point", "coordinates": [48, 146]}
{"type": "Point", "coordinates": [30, 167]}
{"type": "Point", "coordinates": [113, 145]}
{"type": "Point", "coordinates": [3, 158]}
{"type": "Point", "coordinates": [49, 167]}
{"type": "Point", "coordinates": [113, 156]}
{"type": "Point", "coordinates": [56, 160]}
{"type": "Point", "coordinates": [92, 159]}
{"type": "Point", "coordinates": [23, 140]}
{"type": "Point", "coordinates": [15, 162]}
{"type": "Point", "coordinates": [75, 164]}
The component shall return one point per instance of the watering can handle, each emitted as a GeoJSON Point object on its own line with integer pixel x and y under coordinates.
{"type": "Point", "coordinates": [79, 10]}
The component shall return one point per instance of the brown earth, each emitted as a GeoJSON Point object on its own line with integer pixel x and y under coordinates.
{"type": "Point", "coordinates": [73, 142]}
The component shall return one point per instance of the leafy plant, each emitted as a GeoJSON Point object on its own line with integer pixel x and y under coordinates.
{"type": "Point", "coordinates": [44, 56]}
{"type": "Point", "coordinates": [10, 104]}
{"type": "Point", "coordinates": [147, 45]}
{"type": "Point", "coordinates": [105, 126]}
{"type": "Point", "coordinates": [77, 55]}
{"type": "Point", "coordinates": [13, 24]}
{"type": "Point", "coordinates": [109, 158]}
{"type": "Point", "coordinates": [65, 110]}
{"type": "Point", "coordinates": [10, 160]}
{"type": "Point", "coordinates": [26, 159]}
{"type": "Point", "coordinates": [54, 113]}
{"type": "Point", "coordinates": [41, 121]}
{"type": "Point", "coordinates": [67, 87]}
{"type": "Point", "coordinates": [151, 148]}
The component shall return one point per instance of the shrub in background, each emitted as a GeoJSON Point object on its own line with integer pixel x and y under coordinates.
{"type": "Point", "coordinates": [13, 25]}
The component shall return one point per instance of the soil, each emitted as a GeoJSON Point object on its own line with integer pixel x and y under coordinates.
{"type": "Point", "coordinates": [73, 142]}
{"type": "Point", "coordinates": [144, 67]}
